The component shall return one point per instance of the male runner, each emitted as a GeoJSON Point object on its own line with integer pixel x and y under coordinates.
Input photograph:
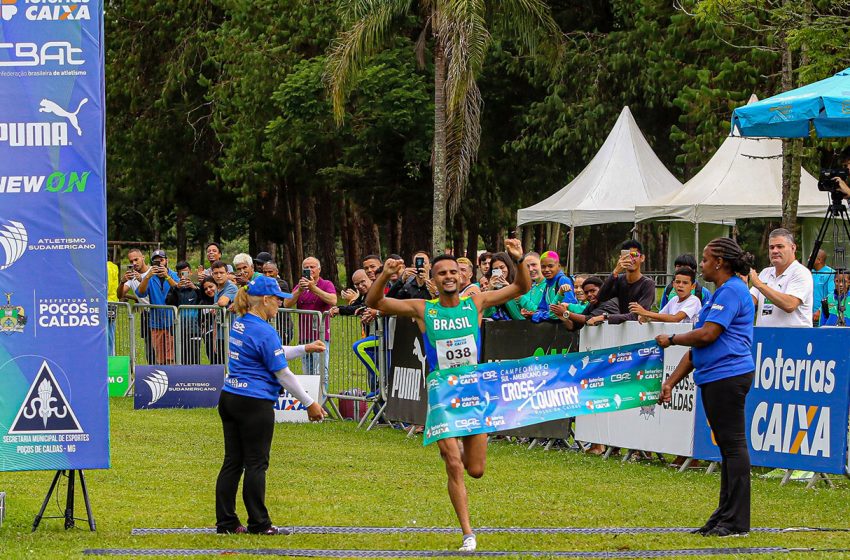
{"type": "Point", "coordinates": [455, 318]}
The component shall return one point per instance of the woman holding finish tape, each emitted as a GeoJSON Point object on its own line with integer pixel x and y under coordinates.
{"type": "Point", "coordinates": [257, 368]}
{"type": "Point", "coordinates": [721, 354]}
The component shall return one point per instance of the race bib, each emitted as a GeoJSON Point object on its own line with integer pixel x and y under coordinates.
{"type": "Point", "coordinates": [454, 352]}
{"type": "Point", "coordinates": [767, 307]}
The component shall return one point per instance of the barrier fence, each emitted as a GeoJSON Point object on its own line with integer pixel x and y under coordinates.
{"type": "Point", "coordinates": [376, 369]}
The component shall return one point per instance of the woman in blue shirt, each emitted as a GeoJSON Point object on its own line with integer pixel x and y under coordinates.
{"type": "Point", "coordinates": [257, 368]}
{"type": "Point", "coordinates": [721, 356]}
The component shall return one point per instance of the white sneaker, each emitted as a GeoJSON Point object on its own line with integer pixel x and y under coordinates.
{"type": "Point", "coordinates": [469, 544]}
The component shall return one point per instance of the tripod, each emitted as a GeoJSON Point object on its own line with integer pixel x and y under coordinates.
{"type": "Point", "coordinates": [837, 216]}
{"type": "Point", "coordinates": [69, 502]}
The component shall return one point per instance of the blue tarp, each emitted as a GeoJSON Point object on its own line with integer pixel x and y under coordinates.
{"type": "Point", "coordinates": [824, 104]}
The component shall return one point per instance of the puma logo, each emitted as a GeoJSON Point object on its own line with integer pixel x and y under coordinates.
{"type": "Point", "coordinates": [48, 106]}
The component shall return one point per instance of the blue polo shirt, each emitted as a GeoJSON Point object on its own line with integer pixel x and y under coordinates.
{"type": "Point", "coordinates": [823, 281]}
{"type": "Point", "coordinates": [256, 352]}
{"type": "Point", "coordinates": [731, 307]}
{"type": "Point", "coordinates": [158, 288]}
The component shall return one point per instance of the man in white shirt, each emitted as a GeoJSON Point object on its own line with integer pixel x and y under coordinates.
{"type": "Point", "coordinates": [782, 293]}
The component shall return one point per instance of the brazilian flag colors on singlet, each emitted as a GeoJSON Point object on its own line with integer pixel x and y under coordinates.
{"type": "Point", "coordinates": [452, 334]}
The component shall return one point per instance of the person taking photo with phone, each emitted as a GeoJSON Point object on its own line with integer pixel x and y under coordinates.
{"type": "Point", "coordinates": [314, 293]}
{"type": "Point", "coordinates": [627, 284]}
{"type": "Point", "coordinates": [156, 286]}
{"type": "Point", "coordinates": [416, 281]}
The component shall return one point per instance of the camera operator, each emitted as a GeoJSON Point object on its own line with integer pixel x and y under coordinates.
{"type": "Point", "coordinates": [844, 161]}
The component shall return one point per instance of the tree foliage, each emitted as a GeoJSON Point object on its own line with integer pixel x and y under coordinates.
{"type": "Point", "coordinates": [220, 125]}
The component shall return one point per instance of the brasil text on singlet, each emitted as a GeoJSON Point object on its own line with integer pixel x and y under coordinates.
{"type": "Point", "coordinates": [452, 334]}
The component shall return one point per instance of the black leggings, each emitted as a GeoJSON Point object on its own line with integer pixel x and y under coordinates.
{"type": "Point", "coordinates": [723, 401]}
{"type": "Point", "coordinates": [248, 429]}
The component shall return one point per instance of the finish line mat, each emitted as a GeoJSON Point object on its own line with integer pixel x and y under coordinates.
{"type": "Point", "coordinates": [336, 553]}
{"type": "Point", "coordinates": [330, 530]}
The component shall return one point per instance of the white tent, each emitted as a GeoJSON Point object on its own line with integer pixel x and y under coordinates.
{"type": "Point", "coordinates": [623, 173]}
{"type": "Point", "coordinates": [742, 180]}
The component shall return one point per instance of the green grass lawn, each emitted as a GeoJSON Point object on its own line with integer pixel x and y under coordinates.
{"type": "Point", "coordinates": [164, 465]}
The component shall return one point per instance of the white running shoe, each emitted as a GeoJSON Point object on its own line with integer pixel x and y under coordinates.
{"type": "Point", "coordinates": [469, 544]}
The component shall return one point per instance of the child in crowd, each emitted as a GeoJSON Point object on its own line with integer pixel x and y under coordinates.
{"type": "Point", "coordinates": [681, 309]}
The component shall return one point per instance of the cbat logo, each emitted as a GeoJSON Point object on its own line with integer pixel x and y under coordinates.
{"type": "Point", "coordinates": [12, 317]}
{"type": "Point", "coordinates": [643, 352]}
{"type": "Point", "coordinates": [158, 383]}
{"type": "Point", "coordinates": [13, 241]}
{"type": "Point", "coordinates": [8, 9]}
{"type": "Point", "coordinates": [489, 375]}
{"type": "Point", "coordinates": [33, 54]}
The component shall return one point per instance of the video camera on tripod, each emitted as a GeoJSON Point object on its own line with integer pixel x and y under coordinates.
{"type": "Point", "coordinates": [827, 182]}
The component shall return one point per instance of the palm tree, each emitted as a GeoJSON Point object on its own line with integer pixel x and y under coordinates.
{"type": "Point", "coordinates": [460, 30]}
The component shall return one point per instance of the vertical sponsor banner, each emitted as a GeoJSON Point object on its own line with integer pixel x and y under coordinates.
{"type": "Point", "coordinates": [516, 393]}
{"type": "Point", "coordinates": [53, 367]}
{"type": "Point", "coordinates": [797, 408]}
{"type": "Point", "coordinates": [407, 399]}
{"type": "Point", "coordinates": [667, 428]}
{"type": "Point", "coordinates": [509, 340]}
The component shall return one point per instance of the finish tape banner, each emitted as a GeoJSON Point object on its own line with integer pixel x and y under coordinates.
{"type": "Point", "coordinates": [54, 404]}
{"type": "Point", "coordinates": [517, 393]}
{"type": "Point", "coordinates": [797, 408]}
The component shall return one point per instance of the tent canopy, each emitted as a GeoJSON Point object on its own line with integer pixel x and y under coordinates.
{"type": "Point", "coordinates": [624, 172]}
{"type": "Point", "coordinates": [791, 114]}
{"type": "Point", "coordinates": [742, 180]}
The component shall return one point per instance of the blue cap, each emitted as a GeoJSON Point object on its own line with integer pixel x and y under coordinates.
{"type": "Point", "coordinates": [265, 286]}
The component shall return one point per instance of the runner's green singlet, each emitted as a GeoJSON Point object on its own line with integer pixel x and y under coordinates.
{"type": "Point", "coordinates": [452, 334]}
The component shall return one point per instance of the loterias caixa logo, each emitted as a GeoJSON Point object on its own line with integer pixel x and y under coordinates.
{"type": "Point", "coordinates": [42, 10]}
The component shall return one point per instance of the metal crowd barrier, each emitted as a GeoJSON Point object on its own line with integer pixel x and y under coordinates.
{"type": "Point", "coordinates": [157, 334]}
{"type": "Point", "coordinates": [121, 329]}
{"type": "Point", "coordinates": [202, 335]}
{"type": "Point", "coordinates": [350, 379]}
{"type": "Point", "coordinates": [298, 326]}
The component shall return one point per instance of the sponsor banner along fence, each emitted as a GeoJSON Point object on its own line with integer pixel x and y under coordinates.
{"type": "Point", "coordinates": [797, 408]}
{"type": "Point", "coordinates": [667, 428]}
{"type": "Point", "coordinates": [516, 393]}
{"type": "Point", "coordinates": [53, 370]}
{"type": "Point", "coordinates": [177, 386]}
{"type": "Point", "coordinates": [511, 340]}
{"type": "Point", "coordinates": [289, 409]}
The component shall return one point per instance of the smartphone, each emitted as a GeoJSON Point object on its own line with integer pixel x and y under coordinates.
{"type": "Point", "coordinates": [307, 274]}
{"type": "Point", "coordinates": [129, 268]}
{"type": "Point", "coordinates": [419, 263]}
{"type": "Point", "coordinates": [625, 252]}
{"type": "Point", "coordinates": [496, 273]}
{"type": "Point", "coordinates": [512, 235]}
{"type": "Point", "coordinates": [185, 274]}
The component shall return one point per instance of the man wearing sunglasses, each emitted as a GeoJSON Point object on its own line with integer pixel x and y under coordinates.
{"type": "Point", "coordinates": [627, 284]}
